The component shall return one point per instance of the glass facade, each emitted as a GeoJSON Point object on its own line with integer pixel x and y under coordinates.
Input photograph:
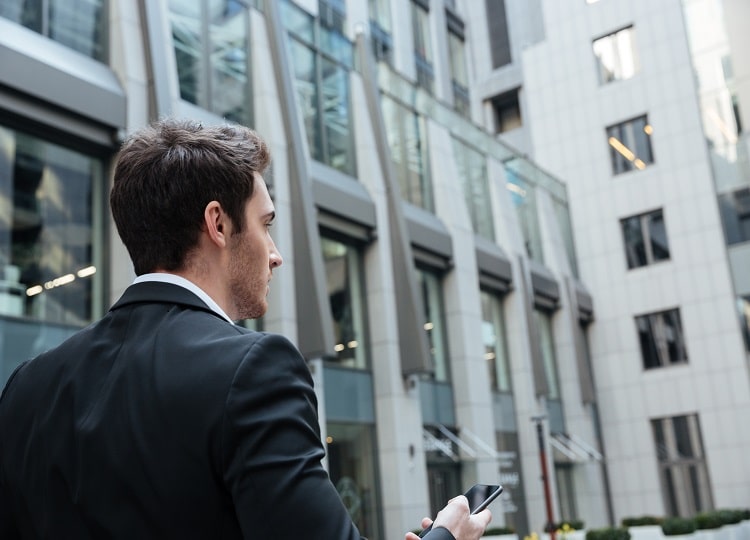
{"type": "Point", "coordinates": [495, 341]}
{"type": "Point", "coordinates": [407, 139]}
{"type": "Point", "coordinates": [523, 197]}
{"type": "Point", "coordinates": [472, 168]}
{"type": "Point", "coordinates": [211, 41]}
{"type": "Point", "coordinates": [322, 58]}
{"type": "Point", "coordinates": [380, 28]}
{"type": "Point", "coordinates": [81, 25]}
{"type": "Point", "coordinates": [343, 266]}
{"type": "Point", "coordinates": [50, 240]}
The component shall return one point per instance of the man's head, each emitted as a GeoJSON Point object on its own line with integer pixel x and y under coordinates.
{"type": "Point", "coordinates": [165, 176]}
{"type": "Point", "coordinates": [191, 200]}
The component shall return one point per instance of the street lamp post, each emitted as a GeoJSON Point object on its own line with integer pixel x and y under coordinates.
{"type": "Point", "coordinates": [550, 527]}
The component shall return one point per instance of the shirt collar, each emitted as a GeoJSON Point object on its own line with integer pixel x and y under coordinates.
{"type": "Point", "coordinates": [174, 279]}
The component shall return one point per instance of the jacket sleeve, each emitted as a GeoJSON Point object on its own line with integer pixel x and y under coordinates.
{"type": "Point", "coordinates": [439, 533]}
{"type": "Point", "coordinates": [8, 527]}
{"type": "Point", "coordinates": [272, 450]}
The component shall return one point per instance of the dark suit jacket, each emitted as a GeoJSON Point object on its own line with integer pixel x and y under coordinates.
{"type": "Point", "coordinates": [163, 421]}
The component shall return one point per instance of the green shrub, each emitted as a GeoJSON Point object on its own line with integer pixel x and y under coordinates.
{"type": "Point", "coordinates": [678, 525]}
{"type": "Point", "coordinates": [729, 516]}
{"type": "Point", "coordinates": [608, 533]}
{"type": "Point", "coordinates": [708, 520]}
{"type": "Point", "coordinates": [495, 531]}
{"type": "Point", "coordinates": [641, 520]}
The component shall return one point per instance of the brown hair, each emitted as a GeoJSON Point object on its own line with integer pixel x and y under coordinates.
{"type": "Point", "coordinates": [165, 176]}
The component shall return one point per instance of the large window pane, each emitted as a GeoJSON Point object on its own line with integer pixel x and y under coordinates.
{"type": "Point", "coordinates": [547, 344]}
{"type": "Point", "coordinates": [682, 465]}
{"type": "Point", "coordinates": [346, 296]}
{"type": "Point", "coordinates": [78, 24]}
{"type": "Point", "coordinates": [211, 49]}
{"type": "Point", "coordinates": [616, 55]}
{"type": "Point", "coordinates": [630, 145]}
{"type": "Point", "coordinates": [304, 64]}
{"type": "Point", "coordinates": [645, 238]}
{"type": "Point", "coordinates": [430, 286]}
{"type": "Point", "coordinates": [472, 168]}
{"type": "Point", "coordinates": [49, 244]}
{"type": "Point", "coordinates": [661, 339]}
{"type": "Point", "coordinates": [353, 470]}
{"type": "Point", "coordinates": [735, 215]}
{"type": "Point", "coordinates": [407, 138]}
{"type": "Point", "coordinates": [423, 55]}
{"type": "Point", "coordinates": [495, 341]}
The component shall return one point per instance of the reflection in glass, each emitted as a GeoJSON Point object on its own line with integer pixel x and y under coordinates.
{"type": "Point", "coordinates": [547, 343]}
{"type": "Point", "coordinates": [211, 49]}
{"type": "Point", "coordinates": [430, 286]}
{"type": "Point", "coordinates": [351, 453]}
{"type": "Point", "coordinates": [47, 266]}
{"type": "Point", "coordinates": [682, 465]}
{"type": "Point", "coordinates": [645, 239]}
{"type": "Point", "coordinates": [661, 338]}
{"type": "Point", "coordinates": [630, 145]}
{"type": "Point", "coordinates": [423, 55]}
{"type": "Point", "coordinates": [82, 26]}
{"type": "Point", "coordinates": [322, 63]}
{"type": "Point", "coordinates": [407, 138]}
{"type": "Point", "coordinates": [346, 297]}
{"type": "Point", "coordinates": [472, 168]}
{"type": "Point", "coordinates": [523, 198]}
{"type": "Point", "coordinates": [616, 55]}
{"type": "Point", "coordinates": [495, 341]}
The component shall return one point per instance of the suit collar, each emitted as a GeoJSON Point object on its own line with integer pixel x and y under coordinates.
{"type": "Point", "coordinates": [160, 292]}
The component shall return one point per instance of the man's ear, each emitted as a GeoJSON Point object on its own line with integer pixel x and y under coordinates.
{"type": "Point", "coordinates": [217, 224]}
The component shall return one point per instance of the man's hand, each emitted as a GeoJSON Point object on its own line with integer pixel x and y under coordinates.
{"type": "Point", "coordinates": [457, 518]}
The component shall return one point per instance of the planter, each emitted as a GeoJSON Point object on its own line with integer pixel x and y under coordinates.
{"type": "Point", "coordinates": [646, 532]}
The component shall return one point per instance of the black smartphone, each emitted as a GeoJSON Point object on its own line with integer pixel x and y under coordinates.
{"type": "Point", "coordinates": [480, 496]}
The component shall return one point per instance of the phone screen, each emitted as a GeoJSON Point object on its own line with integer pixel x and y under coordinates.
{"type": "Point", "coordinates": [481, 495]}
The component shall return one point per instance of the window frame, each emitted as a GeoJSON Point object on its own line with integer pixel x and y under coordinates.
{"type": "Point", "coordinates": [653, 355]}
{"type": "Point", "coordinates": [624, 141]}
{"type": "Point", "coordinates": [644, 228]}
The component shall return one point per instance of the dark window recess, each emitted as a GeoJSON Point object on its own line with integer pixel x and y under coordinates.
{"type": "Point", "coordinates": [497, 24]}
{"type": "Point", "coordinates": [506, 111]}
{"type": "Point", "coordinates": [661, 338]}
{"type": "Point", "coordinates": [645, 238]}
{"type": "Point", "coordinates": [735, 215]}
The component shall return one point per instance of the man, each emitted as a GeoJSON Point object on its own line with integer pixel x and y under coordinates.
{"type": "Point", "coordinates": [164, 419]}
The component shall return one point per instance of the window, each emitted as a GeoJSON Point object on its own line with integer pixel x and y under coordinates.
{"type": "Point", "coordinates": [210, 41]}
{"type": "Point", "coordinates": [82, 26]}
{"type": "Point", "coordinates": [50, 244]}
{"type": "Point", "coordinates": [661, 338]}
{"type": "Point", "coordinates": [616, 56]}
{"type": "Point", "coordinates": [735, 215]}
{"type": "Point", "coordinates": [380, 29]}
{"type": "Point", "coordinates": [407, 138]}
{"type": "Point", "coordinates": [506, 111]}
{"type": "Point", "coordinates": [352, 461]}
{"type": "Point", "coordinates": [343, 264]}
{"type": "Point", "coordinates": [523, 198]}
{"type": "Point", "coordinates": [459, 74]}
{"type": "Point", "coordinates": [423, 55]}
{"type": "Point", "coordinates": [547, 344]}
{"type": "Point", "coordinates": [682, 465]}
{"type": "Point", "coordinates": [645, 239]}
{"type": "Point", "coordinates": [495, 341]}
{"type": "Point", "coordinates": [630, 145]}
{"type": "Point", "coordinates": [430, 285]}
{"type": "Point", "coordinates": [743, 310]}
{"type": "Point", "coordinates": [472, 168]}
{"type": "Point", "coordinates": [497, 26]}
{"type": "Point", "coordinates": [322, 59]}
